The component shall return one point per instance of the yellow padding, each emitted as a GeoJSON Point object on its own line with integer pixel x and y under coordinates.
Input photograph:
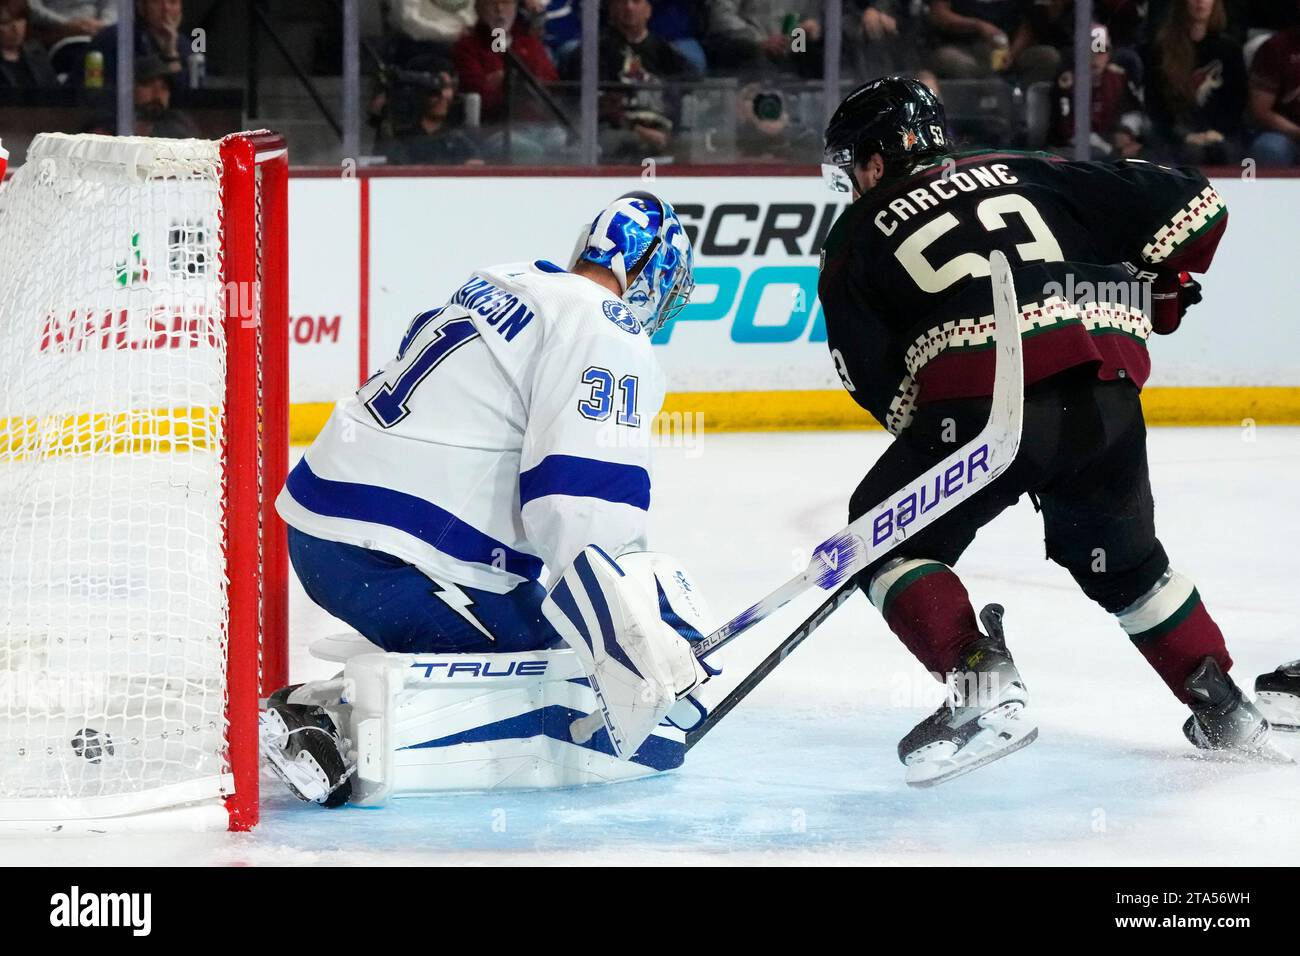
{"type": "Point", "coordinates": [773, 411]}
{"type": "Point", "coordinates": [770, 411]}
{"type": "Point", "coordinates": [306, 421]}
{"type": "Point", "coordinates": [141, 431]}
{"type": "Point", "coordinates": [765, 411]}
{"type": "Point", "coordinates": [1261, 405]}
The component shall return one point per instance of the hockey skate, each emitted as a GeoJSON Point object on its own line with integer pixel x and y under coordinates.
{"type": "Point", "coordinates": [302, 746]}
{"type": "Point", "coordinates": [982, 719]}
{"type": "Point", "coordinates": [1223, 720]}
{"type": "Point", "coordinates": [1277, 695]}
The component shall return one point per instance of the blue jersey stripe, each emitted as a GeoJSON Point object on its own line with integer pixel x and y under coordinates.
{"type": "Point", "coordinates": [586, 478]}
{"type": "Point", "coordinates": [419, 518]}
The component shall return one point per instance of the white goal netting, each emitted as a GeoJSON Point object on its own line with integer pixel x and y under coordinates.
{"type": "Point", "coordinates": [113, 603]}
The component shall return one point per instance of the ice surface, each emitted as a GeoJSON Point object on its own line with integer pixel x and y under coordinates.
{"type": "Point", "coordinates": [805, 770]}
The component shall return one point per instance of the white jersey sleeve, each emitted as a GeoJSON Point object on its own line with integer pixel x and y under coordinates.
{"type": "Point", "coordinates": [585, 467]}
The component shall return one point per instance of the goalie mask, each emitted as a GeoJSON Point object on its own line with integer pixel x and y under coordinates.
{"type": "Point", "coordinates": [639, 238]}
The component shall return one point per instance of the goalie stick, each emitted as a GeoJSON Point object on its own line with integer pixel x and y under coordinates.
{"type": "Point", "coordinates": [779, 653]}
{"type": "Point", "coordinates": [840, 557]}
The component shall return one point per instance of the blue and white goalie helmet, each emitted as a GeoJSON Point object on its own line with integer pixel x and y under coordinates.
{"type": "Point", "coordinates": [639, 235]}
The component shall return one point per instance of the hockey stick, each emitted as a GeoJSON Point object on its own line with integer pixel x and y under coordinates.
{"type": "Point", "coordinates": [945, 486]}
{"type": "Point", "coordinates": [780, 653]}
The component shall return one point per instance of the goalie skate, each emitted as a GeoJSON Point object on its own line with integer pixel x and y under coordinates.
{"type": "Point", "coordinates": [1277, 695]}
{"type": "Point", "coordinates": [303, 748]}
{"type": "Point", "coordinates": [982, 720]}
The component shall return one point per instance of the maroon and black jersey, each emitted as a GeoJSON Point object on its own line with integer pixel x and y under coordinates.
{"type": "Point", "coordinates": [905, 288]}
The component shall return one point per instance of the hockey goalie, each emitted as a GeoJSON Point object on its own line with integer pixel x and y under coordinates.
{"type": "Point", "coordinates": [508, 438]}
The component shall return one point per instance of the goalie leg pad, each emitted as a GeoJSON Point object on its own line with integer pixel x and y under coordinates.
{"type": "Point", "coordinates": [417, 724]}
{"type": "Point", "coordinates": [637, 665]}
{"type": "Point", "coordinates": [430, 723]}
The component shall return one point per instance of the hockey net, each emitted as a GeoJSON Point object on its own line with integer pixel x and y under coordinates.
{"type": "Point", "coordinates": [143, 435]}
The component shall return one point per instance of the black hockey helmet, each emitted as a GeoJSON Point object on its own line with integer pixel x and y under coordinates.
{"type": "Point", "coordinates": [897, 117]}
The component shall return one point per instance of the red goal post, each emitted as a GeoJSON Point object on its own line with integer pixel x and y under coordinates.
{"type": "Point", "coordinates": [255, 177]}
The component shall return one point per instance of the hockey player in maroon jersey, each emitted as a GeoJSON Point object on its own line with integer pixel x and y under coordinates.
{"type": "Point", "coordinates": [1101, 255]}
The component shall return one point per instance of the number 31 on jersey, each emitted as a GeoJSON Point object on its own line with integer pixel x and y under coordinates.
{"type": "Point", "coordinates": [600, 402]}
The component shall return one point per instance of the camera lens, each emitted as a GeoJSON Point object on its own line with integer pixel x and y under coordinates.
{"type": "Point", "coordinates": [768, 105]}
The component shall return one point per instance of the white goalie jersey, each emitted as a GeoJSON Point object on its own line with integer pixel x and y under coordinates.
{"type": "Point", "coordinates": [511, 431]}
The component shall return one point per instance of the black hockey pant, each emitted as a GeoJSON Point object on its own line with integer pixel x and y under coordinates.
{"type": "Point", "coordinates": [1082, 460]}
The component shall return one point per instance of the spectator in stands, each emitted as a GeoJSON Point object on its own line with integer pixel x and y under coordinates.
{"type": "Point", "coordinates": [154, 115]}
{"type": "Point", "coordinates": [638, 120]}
{"type": "Point", "coordinates": [1126, 22]}
{"type": "Point", "coordinates": [681, 23]}
{"type": "Point", "coordinates": [436, 23]}
{"type": "Point", "coordinates": [1116, 105]}
{"type": "Point", "coordinates": [1050, 22]}
{"type": "Point", "coordinates": [1275, 99]}
{"type": "Point", "coordinates": [55, 19]}
{"type": "Point", "coordinates": [1196, 85]}
{"type": "Point", "coordinates": [677, 21]}
{"type": "Point", "coordinates": [435, 136]}
{"type": "Point", "coordinates": [559, 23]}
{"type": "Point", "coordinates": [759, 35]}
{"type": "Point", "coordinates": [982, 38]}
{"type": "Point", "coordinates": [766, 131]}
{"type": "Point", "coordinates": [23, 62]}
{"type": "Point", "coordinates": [157, 33]}
{"type": "Point", "coordinates": [480, 55]}
{"type": "Point", "coordinates": [883, 39]}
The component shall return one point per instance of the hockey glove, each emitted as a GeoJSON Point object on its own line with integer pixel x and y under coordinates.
{"type": "Point", "coordinates": [1172, 294]}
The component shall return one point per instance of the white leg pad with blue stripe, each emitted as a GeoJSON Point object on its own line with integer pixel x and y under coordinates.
{"type": "Point", "coordinates": [419, 724]}
{"type": "Point", "coordinates": [637, 664]}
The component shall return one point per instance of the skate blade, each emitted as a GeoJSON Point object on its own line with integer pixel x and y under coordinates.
{"type": "Point", "coordinates": [988, 745]}
{"type": "Point", "coordinates": [1272, 753]}
{"type": "Point", "coordinates": [1266, 752]}
{"type": "Point", "coordinates": [1269, 754]}
{"type": "Point", "coordinates": [1282, 711]}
